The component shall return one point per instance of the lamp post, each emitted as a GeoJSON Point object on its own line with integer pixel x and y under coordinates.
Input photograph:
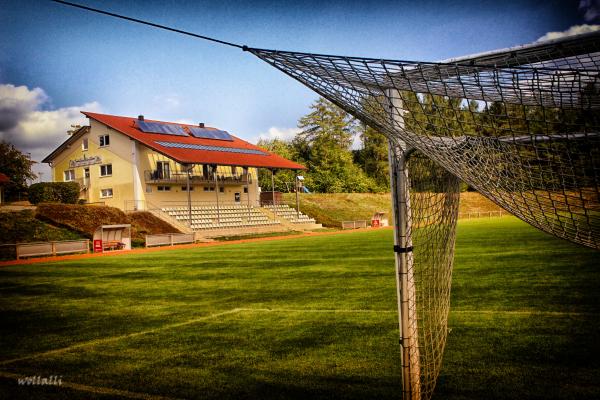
{"type": "Point", "coordinates": [273, 187]}
{"type": "Point", "coordinates": [188, 170]}
{"type": "Point", "coordinates": [299, 179]}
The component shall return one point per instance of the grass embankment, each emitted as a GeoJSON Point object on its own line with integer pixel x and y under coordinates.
{"type": "Point", "coordinates": [87, 218]}
{"type": "Point", "coordinates": [310, 317]}
{"type": "Point", "coordinates": [51, 222]}
{"type": "Point", "coordinates": [330, 209]}
{"type": "Point", "coordinates": [23, 226]}
{"type": "Point", "coordinates": [68, 221]}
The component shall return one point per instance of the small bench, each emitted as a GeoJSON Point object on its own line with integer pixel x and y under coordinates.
{"type": "Point", "coordinates": [113, 245]}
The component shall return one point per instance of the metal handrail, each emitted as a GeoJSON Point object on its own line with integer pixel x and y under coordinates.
{"type": "Point", "coordinates": [158, 176]}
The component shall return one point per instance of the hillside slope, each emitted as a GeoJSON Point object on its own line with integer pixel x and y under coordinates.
{"type": "Point", "coordinates": [330, 209]}
{"type": "Point", "coordinates": [86, 218]}
{"type": "Point", "coordinates": [22, 226]}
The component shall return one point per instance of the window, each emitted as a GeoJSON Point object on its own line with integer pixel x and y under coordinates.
{"type": "Point", "coordinates": [69, 175]}
{"type": "Point", "coordinates": [85, 144]}
{"type": "Point", "coordinates": [184, 188]}
{"type": "Point", "coordinates": [106, 170]}
{"type": "Point", "coordinates": [105, 193]}
{"type": "Point", "coordinates": [209, 189]}
{"type": "Point", "coordinates": [245, 190]}
{"type": "Point", "coordinates": [163, 188]}
{"type": "Point", "coordinates": [104, 140]}
{"type": "Point", "coordinates": [222, 189]}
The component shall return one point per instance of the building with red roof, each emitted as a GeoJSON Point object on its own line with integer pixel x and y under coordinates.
{"type": "Point", "coordinates": [136, 163]}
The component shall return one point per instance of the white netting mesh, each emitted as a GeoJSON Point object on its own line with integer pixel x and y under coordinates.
{"type": "Point", "coordinates": [522, 126]}
{"type": "Point", "coordinates": [431, 222]}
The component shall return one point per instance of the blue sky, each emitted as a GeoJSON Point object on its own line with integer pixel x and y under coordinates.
{"type": "Point", "coordinates": [56, 60]}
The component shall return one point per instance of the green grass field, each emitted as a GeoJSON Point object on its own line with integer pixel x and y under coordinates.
{"type": "Point", "coordinates": [310, 317]}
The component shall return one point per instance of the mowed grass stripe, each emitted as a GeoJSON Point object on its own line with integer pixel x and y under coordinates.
{"type": "Point", "coordinates": [264, 310]}
{"type": "Point", "coordinates": [173, 286]}
{"type": "Point", "coordinates": [520, 299]}
{"type": "Point", "coordinates": [178, 325]}
{"type": "Point", "coordinates": [120, 337]}
{"type": "Point", "coordinates": [246, 355]}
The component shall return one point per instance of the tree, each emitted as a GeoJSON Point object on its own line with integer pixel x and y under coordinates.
{"type": "Point", "coordinates": [373, 157]}
{"type": "Point", "coordinates": [17, 166]}
{"type": "Point", "coordinates": [282, 177]}
{"type": "Point", "coordinates": [324, 147]}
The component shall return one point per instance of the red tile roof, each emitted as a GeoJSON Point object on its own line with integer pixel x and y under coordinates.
{"type": "Point", "coordinates": [4, 178]}
{"type": "Point", "coordinates": [127, 126]}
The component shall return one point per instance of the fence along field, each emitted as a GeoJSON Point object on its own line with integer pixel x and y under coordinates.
{"type": "Point", "coordinates": [302, 318]}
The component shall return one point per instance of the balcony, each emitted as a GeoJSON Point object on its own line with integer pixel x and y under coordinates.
{"type": "Point", "coordinates": [180, 178]}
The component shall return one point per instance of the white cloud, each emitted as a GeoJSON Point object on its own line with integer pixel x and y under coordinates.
{"type": "Point", "coordinates": [284, 134]}
{"type": "Point", "coordinates": [574, 30]}
{"type": "Point", "coordinates": [30, 128]}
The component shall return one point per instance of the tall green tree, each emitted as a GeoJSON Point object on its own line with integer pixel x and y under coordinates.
{"type": "Point", "coordinates": [17, 166]}
{"type": "Point", "coordinates": [324, 146]}
{"type": "Point", "coordinates": [373, 156]}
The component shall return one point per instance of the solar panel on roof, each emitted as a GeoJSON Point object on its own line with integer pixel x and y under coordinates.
{"type": "Point", "coordinates": [192, 146]}
{"type": "Point", "coordinates": [158, 127]}
{"type": "Point", "coordinates": [204, 133]}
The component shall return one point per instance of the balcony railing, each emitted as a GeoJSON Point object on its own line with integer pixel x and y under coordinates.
{"type": "Point", "coordinates": [160, 177]}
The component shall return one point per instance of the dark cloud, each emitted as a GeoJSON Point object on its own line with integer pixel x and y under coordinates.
{"type": "Point", "coordinates": [16, 102]}
{"type": "Point", "coordinates": [31, 129]}
{"type": "Point", "coordinates": [590, 9]}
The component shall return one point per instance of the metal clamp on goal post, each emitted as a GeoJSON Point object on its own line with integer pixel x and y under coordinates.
{"type": "Point", "coordinates": [398, 249]}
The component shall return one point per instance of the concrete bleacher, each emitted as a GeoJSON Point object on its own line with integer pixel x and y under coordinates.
{"type": "Point", "coordinates": [290, 214]}
{"type": "Point", "coordinates": [224, 216]}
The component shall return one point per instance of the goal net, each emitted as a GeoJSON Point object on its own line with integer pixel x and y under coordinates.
{"type": "Point", "coordinates": [522, 126]}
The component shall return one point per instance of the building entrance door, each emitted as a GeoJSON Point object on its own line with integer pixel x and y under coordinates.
{"type": "Point", "coordinates": [163, 171]}
{"type": "Point", "coordinates": [86, 183]}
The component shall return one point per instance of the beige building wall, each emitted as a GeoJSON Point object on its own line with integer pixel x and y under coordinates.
{"type": "Point", "coordinates": [130, 158]}
{"type": "Point", "coordinates": [116, 153]}
{"type": "Point", "coordinates": [203, 192]}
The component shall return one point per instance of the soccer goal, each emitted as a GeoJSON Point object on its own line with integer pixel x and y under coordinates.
{"type": "Point", "coordinates": [520, 125]}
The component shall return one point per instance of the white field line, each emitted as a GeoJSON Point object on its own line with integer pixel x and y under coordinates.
{"type": "Point", "coordinates": [119, 337]}
{"type": "Point", "coordinates": [264, 310]}
{"type": "Point", "coordinates": [90, 389]}
{"type": "Point", "coordinates": [311, 310]}
{"type": "Point", "coordinates": [524, 312]}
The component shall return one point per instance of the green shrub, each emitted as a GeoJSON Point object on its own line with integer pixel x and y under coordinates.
{"type": "Point", "coordinates": [138, 242]}
{"type": "Point", "coordinates": [68, 192]}
{"type": "Point", "coordinates": [41, 193]}
{"type": "Point", "coordinates": [54, 192]}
